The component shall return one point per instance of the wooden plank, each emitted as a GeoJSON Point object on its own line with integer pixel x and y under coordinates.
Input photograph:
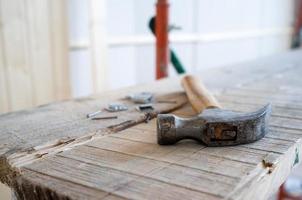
{"type": "Point", "coordinates": [281, 117]}
{"type": "Point", "coordinates": [98, 49]}
{"type": "Point", "coordinates": [62, 189]}
{"type": "Point", "coordinates": [182, 153]}
{"type": "Point", "coordinates": [271, 144]}
{"type": "Point", "coordinates": [59, 48]}
{"type": "Point", "coordinates": [283, 135]}
{"type": "Point", "coordinates": [286, 81]}
{"type": "Point", "coordinates": [153, 169]}
{"type": "Point", "coordinates": [252, 73]}
{"type": "Point", "coordinates": [276, 111]}
{"type": "Point", "coordinates": [41, 135]}
{"type": "Point", "coordinates": [148, 135]}
{"type": "Point", "coordinates": [266, 95]}
{"type": "Point", "coordinates": [151, 189]}
{"type": "Point", "coordinates": [4, 95]}
{"type": "Point", "coordinates": [110, 180]}
{"type": "Point", "coordinates": [264, 183]}
{"type": "Point", "coordinates": [4, 100]}
{"type": "Point", "coordinates": [33, 49]}
{"type": "Point", "coordinates": [14, 30]}
{"type": "Point", "coordinates": [257, 101]}
{"type": "Point", "coordinates": [39, 51]}
{"type": "Point", "coordinates": [160, 170]}
{"type": "Point", "coordinates": [129, 164]}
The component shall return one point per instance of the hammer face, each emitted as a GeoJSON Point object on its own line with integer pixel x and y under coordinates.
{"type": "Point", "coordinates": [224, 128]}
{"type": "Point", "coordinates": [166, 130]}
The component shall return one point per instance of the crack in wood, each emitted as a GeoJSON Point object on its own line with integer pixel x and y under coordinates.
{"type": "Point", "coordinates": [270, 166]}
{"type": "Point", "coordinates": [13, 160]}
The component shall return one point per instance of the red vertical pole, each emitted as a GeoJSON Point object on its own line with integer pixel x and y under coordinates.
{"type": "Point", "coordinates": [298, 25]}
{"type": "Point", "coordinates": [298, 17]}
{"type": "Point", "coordinates": [161, 27]}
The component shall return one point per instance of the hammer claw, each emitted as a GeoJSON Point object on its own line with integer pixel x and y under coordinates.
{"type": "Point", "coordinates": [224, 128]}
{"type": "Point", "coordinates": [214, 126]}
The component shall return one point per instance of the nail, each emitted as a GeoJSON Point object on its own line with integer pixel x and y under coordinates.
{"type": "Point", "coordinates": [93, 114]}
{"type": "Point", "coordinates": [166, 101]}
{"type": "Point", "coordinates": [107, 117]}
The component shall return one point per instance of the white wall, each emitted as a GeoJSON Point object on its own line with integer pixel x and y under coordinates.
{"type": "Point", "coordinates": [258, 28]}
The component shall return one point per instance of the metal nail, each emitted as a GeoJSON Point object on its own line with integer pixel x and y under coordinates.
{"type": "Point", "coordinates": [115, 107]}
{"type": "Point", "coordinates": [166, 101]}
{"type": "Point", "coordinates": [90, 115]}
{"type": "Point", "coordinates": [106, 117]}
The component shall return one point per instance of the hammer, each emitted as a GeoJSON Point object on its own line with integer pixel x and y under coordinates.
{"type": "Point", "coordinates": [214, 126]}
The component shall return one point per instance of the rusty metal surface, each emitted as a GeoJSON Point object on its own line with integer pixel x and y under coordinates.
{"type": "Point", "coordinates": [214, 127]}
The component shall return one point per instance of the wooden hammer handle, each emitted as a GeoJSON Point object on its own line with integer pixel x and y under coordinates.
{"type": "Point", "coordinates": [198, 95]}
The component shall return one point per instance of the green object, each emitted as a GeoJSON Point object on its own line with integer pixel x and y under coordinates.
{"type": "Point", "coordinates": [173, 57]}
{"type": "Point", "coordinates": [296, 157]}
{"type": "Point", "coordinates": [176, 63]}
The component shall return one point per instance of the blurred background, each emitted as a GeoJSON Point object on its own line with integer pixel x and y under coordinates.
{"type": "Point", "coordinates": [52, 50]}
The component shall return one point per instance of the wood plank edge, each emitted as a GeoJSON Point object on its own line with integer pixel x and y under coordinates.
{"type": "Point", "coordinates": [270, 170]}
{"type": "Point", "coordinates": [30, 186]}
{"type": "Point", "coordinates": [12, 161]}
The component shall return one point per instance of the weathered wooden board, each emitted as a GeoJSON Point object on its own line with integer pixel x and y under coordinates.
{"type": "Point", "coordinates": [56, 127]}
{"type": "Point", "coordinates": [212, 171]}
{"type": "Point", "coordinates": [34, 53]}
{"type": "Point", "coordinates": [57, 153]}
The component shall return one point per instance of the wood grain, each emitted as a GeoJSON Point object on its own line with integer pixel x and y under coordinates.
{"type": "Point", "coordinates": [34, 53]}
{"type": "Point", "coordinates": [4, 95]}
{"type": "Point", "coordinates": [56, 127]}
{"type": "Point", "coordinates": [198, 95]}
{"type": "Point", "coordinates": [56, 152]}
{"type": "Point", "coordinates": [59, 48]}
{"type": "Point", "coordinates": [18, 72]}
{"type": "Point", "coordinates": [98, 43]}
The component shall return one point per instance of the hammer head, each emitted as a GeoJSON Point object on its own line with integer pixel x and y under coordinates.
{"type": "Point", "coordinates": [214, 127]}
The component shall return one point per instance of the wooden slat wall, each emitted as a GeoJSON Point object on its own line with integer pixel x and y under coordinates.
{"type": "Point", "coordinates": [4, 106]}
{"type": "Point", "coordinates": [34, 53]}
{"type": "Point", "coordinates": [98, 49]}
{"type": "Point", "coordinates": [60, 48]}
{"type": "Point", "coordinates": [17, 71]}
